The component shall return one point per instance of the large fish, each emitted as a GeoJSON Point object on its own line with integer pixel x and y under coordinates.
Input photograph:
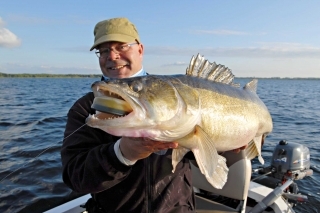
{"type": "Point", "coordinates": [204, 111]}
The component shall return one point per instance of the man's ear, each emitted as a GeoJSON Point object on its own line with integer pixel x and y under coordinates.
{"type": "Point", "coordinates": [141, 49]}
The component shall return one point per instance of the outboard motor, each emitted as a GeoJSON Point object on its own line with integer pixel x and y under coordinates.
{"type": "Point", "coordinates": [290, 161]}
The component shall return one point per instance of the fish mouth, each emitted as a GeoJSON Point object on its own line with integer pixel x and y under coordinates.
{"type": "Point", "coordinates": [114, 105]}
{"type": "Point", "coordinates": [110, 104]}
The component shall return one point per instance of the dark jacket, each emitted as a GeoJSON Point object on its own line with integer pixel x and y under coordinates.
{"type": "Point", "coordinates": [91, 166]}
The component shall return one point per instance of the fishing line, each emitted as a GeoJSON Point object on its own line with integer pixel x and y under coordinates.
{"type": "Point", "coordinates": [40, 154]}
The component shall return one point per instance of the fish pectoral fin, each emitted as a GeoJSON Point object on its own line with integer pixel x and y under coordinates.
{"type": "Point", "coordinates": [211, 164]}
{"type": "Point", "coordinates": [254, 149]}
{"type": "Point", "coordinates": [177, 155]}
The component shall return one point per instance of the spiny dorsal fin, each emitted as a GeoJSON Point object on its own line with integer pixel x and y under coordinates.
{"type": "Point", "coordinates": [252, 86]}
{"type": "Point", "coordinates": [202, 68]}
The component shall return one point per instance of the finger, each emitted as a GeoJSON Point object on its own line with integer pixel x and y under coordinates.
{"type": "Point", "coordinates": [244, 147]}
{"type": "Point", "coordinates": [236, 150]}
{"type": "Point", "coordinates": [167, 145]}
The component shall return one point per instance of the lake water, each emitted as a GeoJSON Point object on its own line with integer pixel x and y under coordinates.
{"type": "Point", "coordinates": [33, 116]}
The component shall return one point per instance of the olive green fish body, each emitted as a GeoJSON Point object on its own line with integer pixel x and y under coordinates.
{"type": "Point", "coordinates": [204, 111]}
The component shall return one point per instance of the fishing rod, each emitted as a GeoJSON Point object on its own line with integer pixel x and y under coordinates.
{"type": "Point", "coordinates": [38, 155]}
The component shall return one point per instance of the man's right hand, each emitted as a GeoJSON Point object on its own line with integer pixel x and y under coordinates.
{"type": "Point", "coordinates": [139, 148]}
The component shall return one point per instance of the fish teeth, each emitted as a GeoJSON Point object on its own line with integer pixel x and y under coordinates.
{"type": "Point", "coordinates": [115, 95]}
{"type": "Point", "coordinates": [111, 118]}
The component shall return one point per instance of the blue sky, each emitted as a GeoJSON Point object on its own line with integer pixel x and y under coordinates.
{"type": "Point", "coordinates": [253, 38]}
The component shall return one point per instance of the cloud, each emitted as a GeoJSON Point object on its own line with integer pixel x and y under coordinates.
{"type": "Point", "coordinates": [7, 38]}
{"type": "Point", "coordinates": [261, 50]}
{"type": "Point", "coordinates": [178, 63]}
{"type": "Point", "coordinates": [28, 19]}
{"type": "Point", "coordinates": [26, 68]}
{"type": "Point", "coordinates": [221, 32]}
{"type": "Point", "coordinates": [77, 49]}
{"type": "Point", "coordinates": [32, 20]}
{"type": "Point", "coordinates": [2, 23]}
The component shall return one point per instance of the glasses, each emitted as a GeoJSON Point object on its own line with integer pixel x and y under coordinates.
{"type": "Point", "coordinates": [104, 53]}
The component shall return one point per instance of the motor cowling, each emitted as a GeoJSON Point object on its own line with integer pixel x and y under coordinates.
{"type": "Point", "coordinates": [291, 160]}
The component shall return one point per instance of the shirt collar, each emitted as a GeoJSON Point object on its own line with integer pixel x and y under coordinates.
{"type": "Point", "coordinates": [141, 72]}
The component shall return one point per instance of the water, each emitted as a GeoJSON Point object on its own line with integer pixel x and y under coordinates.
{"type": "Point", "coordinates": [33, 116]}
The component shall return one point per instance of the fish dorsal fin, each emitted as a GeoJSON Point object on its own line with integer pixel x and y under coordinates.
{"type": "Point", "coordinates": [202, 68]}
{"type": "Point", "coordinates": [252, 85]}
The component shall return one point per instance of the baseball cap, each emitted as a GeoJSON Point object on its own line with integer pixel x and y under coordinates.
{"type": "Point", "coordinates": [115, 29]}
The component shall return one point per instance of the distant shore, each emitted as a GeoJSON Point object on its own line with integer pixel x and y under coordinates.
{"type": "Point", "coordinates": [45, 75]}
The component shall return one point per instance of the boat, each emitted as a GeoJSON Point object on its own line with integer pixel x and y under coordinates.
{"type": "Point", "coordinates": [269, 189]}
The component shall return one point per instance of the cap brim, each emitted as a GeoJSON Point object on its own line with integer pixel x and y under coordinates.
{"type": "Point", "coordinates": [112, 37]}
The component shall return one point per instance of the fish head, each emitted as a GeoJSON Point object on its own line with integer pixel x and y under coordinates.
{"type": "Point", "coordinates": [151, 103]}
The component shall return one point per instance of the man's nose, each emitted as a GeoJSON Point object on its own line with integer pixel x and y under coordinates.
{"type": "Point", "coordinates": [113, 55]}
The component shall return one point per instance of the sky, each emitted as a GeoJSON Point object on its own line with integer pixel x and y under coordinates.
{"type": "Point", "coordinates": [252, 38]}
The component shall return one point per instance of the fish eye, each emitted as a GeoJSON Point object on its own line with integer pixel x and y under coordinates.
{"type": "Point", "coordinates": [136, 86]}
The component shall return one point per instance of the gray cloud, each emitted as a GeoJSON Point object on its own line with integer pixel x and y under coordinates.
{"type": "Point", "coordinates": [177, 63]}
{"type": "Point", "coordinates": [2, 23]}
{"type": "Point", "coordinates": [26, 68]}
{"type": "Point", "coordinates": [27, 19]}
{"type": "Point", "coordinates": [78, 49]}
{"type": "Point", "coordinates": [33, 20]}
{"type": "Point", "coordinates": [220, 32]}
{"type": "Point", "coordinates": [274, 50]}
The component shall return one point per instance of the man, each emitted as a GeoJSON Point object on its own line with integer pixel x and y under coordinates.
{"type": "Point", "coordinates": [122, 174]}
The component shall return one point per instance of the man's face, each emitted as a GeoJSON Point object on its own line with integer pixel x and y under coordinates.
{"type": "Point", "coordinates": [117, 64]}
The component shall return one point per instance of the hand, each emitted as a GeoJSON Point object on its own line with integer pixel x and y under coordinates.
{"type": "Point", "coordinates": [239, 149]}
{"type": "Point", "coordinates": [140, 148]}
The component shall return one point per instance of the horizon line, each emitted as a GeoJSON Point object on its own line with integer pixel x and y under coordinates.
{"type": "Point", "coordinates": [86, 75]}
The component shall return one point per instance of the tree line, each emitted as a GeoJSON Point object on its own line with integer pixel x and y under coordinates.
{"type": "Point", "coordinates": [45, 75]}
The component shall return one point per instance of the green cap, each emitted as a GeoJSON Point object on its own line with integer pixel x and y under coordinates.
{"type": "Point", "coordinates": [116, 29]}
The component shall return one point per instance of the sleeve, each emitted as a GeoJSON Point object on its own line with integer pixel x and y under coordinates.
{"type": "Point", "coordinates": [89, 162]}
{"type": "Point", "coordinates": [119, 155]}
